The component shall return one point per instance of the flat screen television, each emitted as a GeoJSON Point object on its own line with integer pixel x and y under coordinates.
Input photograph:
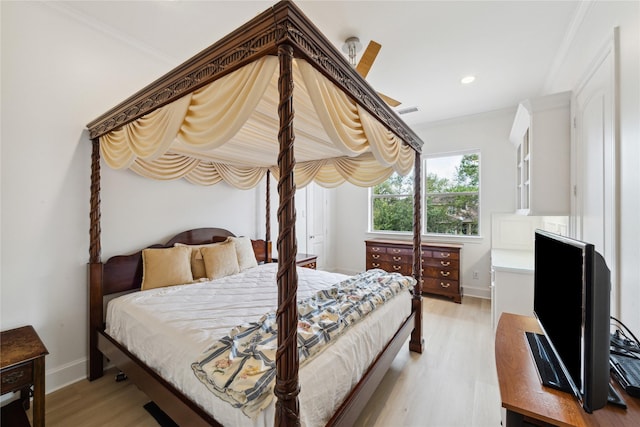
{"type": "Point", "coordinates": [572, 304]}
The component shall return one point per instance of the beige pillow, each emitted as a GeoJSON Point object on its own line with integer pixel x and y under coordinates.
{"type": "Point", "coordinates": [197, 263]}
{"type": "Point", "coordinates": [220, 260]}
{"type": "Point", "coordinates": [166, 267]}
{"type": "Point", "coordinates": [245, 253]}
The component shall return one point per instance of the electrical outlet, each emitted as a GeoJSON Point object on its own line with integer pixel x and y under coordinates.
{"type": "Point", "coordinates": [475, 275]}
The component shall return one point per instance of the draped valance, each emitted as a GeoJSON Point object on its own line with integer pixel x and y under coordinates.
{"type": "Point", "coordinates": [227, 131]}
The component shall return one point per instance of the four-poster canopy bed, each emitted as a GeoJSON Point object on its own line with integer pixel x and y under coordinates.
{"type": "Point", "coordinates": [217, 118]}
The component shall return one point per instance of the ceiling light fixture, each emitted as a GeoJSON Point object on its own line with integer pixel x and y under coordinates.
{"type": "Point", "coordinates": [351, 47]}
{"type": "Point", "coordinates": [467, 79]}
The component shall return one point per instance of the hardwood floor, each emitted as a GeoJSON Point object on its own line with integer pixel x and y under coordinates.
{"type": "Point", "coordinates": [453, 383]}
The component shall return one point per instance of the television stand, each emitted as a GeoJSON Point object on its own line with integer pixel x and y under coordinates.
{"type": "Point", "coordinates": [528, 401]}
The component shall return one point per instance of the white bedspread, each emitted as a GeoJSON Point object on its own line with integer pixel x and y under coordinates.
{"type": "Point", "coordinates": [168, 329]}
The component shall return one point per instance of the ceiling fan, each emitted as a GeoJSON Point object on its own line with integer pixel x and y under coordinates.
{"type": "Point", "coordinates": [351, 47]}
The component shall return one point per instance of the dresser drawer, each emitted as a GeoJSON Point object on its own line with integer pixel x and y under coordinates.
{"type": "Point", "coordinates": [17, 377]}
{"type": "Point", "coordinates": [400, 251]}
{"type": "Point", "coordinates": [440, 273]}
{"type": "Point", "coordinates": [445, 253]}
{"type": "Point", "coordinates": [376, 249]}
{"type": "Point", "coordinates": [447, 263]}
{"type": "Point", "coordinates": [392, 258]}
{"type": "Point", "coordinates": [404, 269]}
{"type": "Point", "coordinates": [440, 286]}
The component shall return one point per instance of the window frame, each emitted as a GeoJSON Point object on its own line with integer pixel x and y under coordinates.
{"type": "Point", "coordinates": [423, 200]}
{"type": "Point", "coordinates": [424, 193]}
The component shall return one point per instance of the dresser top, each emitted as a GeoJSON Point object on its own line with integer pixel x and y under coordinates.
{"type": "Point", "coordinates": [20, 345]}
{"type": "Point", "coordinates": [410, 242]}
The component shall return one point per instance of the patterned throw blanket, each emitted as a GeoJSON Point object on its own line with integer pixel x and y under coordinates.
{"type": "Point", "coordinates": [241, 367]}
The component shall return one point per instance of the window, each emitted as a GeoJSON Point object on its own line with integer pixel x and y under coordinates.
{"type": "Point", "coordinates": [392, 204]}
{"type": "Point", "coordinates": [452, 194]}
{"type": "Point", "coordinates": [451, 187]}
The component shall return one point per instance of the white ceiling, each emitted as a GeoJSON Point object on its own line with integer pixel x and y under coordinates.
{"type": "Point", "coordinates": [427, 46]}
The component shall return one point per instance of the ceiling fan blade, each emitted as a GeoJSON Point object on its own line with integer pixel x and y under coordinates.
{"type": "Point", "coordinates": [392, 102]}
{"type": "Point", "coordinates": [366, 61]}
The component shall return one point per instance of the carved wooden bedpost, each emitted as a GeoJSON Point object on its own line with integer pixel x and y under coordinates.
{"type": "Point", "coordinates": [95, 265]}
{"type": "Point", "coordinates": [267, 231]}
{"type": "Point", "coordinates": [287, 386]}
{"type": "Point", "coordinates": [416, 343]}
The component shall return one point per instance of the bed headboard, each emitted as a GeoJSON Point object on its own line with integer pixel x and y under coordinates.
{"type": "Point", "coordinates": [124, 272]}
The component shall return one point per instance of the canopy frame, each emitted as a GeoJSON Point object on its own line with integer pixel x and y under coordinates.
{"type": "Point", "coordinates": [284, 31]}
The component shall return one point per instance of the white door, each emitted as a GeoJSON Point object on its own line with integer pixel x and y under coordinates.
{"type": "Point", "coordinates": [317, 222]}
{"type": "Point", "coordinates": [595, 169]}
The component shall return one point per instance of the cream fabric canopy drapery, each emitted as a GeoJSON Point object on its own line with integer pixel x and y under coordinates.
{"type": "Point", "coordinates": [228, 131]}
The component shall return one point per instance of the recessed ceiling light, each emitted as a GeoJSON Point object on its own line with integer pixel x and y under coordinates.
{"type": "Point", "coordinates": [468, 79]}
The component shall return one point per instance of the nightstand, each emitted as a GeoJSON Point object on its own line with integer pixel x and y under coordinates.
{"type": "Point", "coordinates": [304, 260]}
{"type": "Point", "coordinates": [22, 366]}
{"type": "Point", "coordinates": [307, 260]}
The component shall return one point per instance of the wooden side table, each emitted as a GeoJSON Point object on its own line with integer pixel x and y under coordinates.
{"type": "Point", "coordinates": [22, 366]}
{"type": "Point", "coordinates": [304, 260]}
{"type": "Point", "coordinates": [307, 260]}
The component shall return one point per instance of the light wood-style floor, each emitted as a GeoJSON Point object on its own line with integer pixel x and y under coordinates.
{"type": "Point", "coordinates": [453, 383]}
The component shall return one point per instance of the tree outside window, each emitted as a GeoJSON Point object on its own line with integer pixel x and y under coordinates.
{"type": "Point", "coordinates": [392, 204]}
{"type": "Point", "coordinates": [452, 197]}
{"type": "Point", "coordinates": [452, 194]}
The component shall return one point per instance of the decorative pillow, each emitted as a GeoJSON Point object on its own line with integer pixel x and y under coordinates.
{"type": "Point", "coordinates": [197, 263]}
{"type": "Point", "coordinates": [244, 251]}
{"type": "Point", "coordinates": [166, 267]}
{"type": "Point", "coordinates": [220, 260]}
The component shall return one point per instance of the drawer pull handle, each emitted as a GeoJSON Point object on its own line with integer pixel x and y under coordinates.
{"type": "Point", "coordinates": [445, 285]}
{"type": "Point", "coordinates": [375, 264]}
{"type": "Point", "coordinates": [397, 267]}
{"type": "Point", "coordinates": [395, 251]}
{"type": "Point", "coordinates": [445, 273]}
{"type": "Point", "coordinates": [13, 377]}
{"type": "Point", "coordinates": [375, 256]}
{"type": "Point", "coordinates": [445, 254]}
{"type": "Point", "coordinates": [397, 258]}
{"type": "Point", "coordinates": [445, 263]}
{"type": "Point", "coordinates": [375, 249]}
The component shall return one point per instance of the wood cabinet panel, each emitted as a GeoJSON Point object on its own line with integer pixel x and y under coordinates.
{"type": "Point", "coordinates": [440, 264]}
{"type": "Point", "coordinates": [17, 377]}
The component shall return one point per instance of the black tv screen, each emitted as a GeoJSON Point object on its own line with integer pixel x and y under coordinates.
{"type": "Point", "coordinates": [571, 302]}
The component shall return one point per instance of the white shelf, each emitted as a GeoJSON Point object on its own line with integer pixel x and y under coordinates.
{"type": "Point", "coordinates": [541, 134]}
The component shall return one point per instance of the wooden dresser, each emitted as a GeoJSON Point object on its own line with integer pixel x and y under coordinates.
{"type": "Point", "coordinates": [440, 264]}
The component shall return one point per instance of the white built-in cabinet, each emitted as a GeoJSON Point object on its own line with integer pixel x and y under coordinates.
{"type": "Point", "coordinates": [541, 133]}
{"type": "Point", "coordinates": [511, 292]}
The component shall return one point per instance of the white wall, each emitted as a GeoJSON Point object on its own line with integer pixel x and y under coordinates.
{"type": "Point", "coordinates": [489, 133]}
{"type": "Point", "coordinates": [594, 31]}
{"type": "Point", "coordinates": [57, 75]}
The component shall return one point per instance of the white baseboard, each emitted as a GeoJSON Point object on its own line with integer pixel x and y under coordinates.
{"type": "Point", "coordinates": [64, 375]}
{"type": "Point", "coordinates": [477, 291]}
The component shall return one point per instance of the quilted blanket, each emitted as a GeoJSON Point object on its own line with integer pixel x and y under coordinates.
{"type": "Point", "coordinates": [241, 368]}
